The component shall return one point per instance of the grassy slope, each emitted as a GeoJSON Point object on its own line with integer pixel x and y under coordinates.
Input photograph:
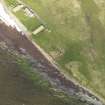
{"type": "Point", "coordinates": [77, 35]}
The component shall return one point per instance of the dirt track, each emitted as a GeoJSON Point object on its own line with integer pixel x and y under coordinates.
{"type": "Point", "coordinates": [21, 43]}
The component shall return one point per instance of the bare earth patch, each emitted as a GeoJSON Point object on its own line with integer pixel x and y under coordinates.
{"type": "Point", "coordinates": [56, 54]}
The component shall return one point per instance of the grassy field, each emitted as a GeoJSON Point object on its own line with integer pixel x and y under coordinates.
{"type": "Point", "coordinates": [77, 38]}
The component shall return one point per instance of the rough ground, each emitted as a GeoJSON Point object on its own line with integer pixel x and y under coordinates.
{"type": "Point", "coordinates": [22, 44]}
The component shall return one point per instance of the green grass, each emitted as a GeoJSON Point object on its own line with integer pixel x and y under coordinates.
{"type": "Point", "coordinates": [12, 3]}
{"type": "Point", "coordinates": [30, 23]}
{"type": "Point", "coordinates": [76, 28]}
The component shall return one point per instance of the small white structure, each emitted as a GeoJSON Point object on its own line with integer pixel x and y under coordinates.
{"type": "Point", "coordinates": [18, 8]}
{"type": "Point", "coordinates": [39, 29]}
{"type": "Point", "coordinates": [28, 12]}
